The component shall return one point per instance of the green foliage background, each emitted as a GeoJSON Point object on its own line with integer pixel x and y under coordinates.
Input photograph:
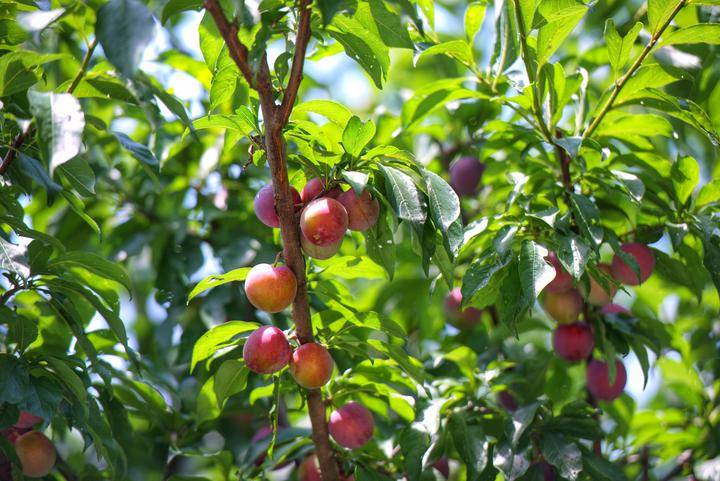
{"type": "Point", "coordinates": [122, 199]}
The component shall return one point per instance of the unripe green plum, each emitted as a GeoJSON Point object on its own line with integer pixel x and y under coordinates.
{"type": "Point", "coordinates": [351, 426]}
{"type": "Point", "coordinates": [465, 175]}
{"type": "Point", "coordinates": [562, 281]}
{"type": "Point", "coordinates": [644, 258]}
{"type": "Point", "coordinates": [319, 252]}
{"type": "Point", "coordinates": [564, 307]}
{"type": "Point", "coordinates": [598, 295]}
{"type": "Point", "coordinates": [324, 221]}
{"type": "Point", "coordinates": [462, 319]}
{"type": "Point", "coordinates": [311, 365]}
{"type": "Point", "coordinates": [573, 342]}
{"type": "Point", "coordinates": [362, 209]}
{"type": "Point", "coordinates": [264, 205]}
{"type": "Point", "coordinates": [598, 380]}
{"type": "Point", "coordinates": [36, 453]}
{"type": "Point", "coordinates": [266, 350]}
{"type": "Point", "coordinates": [269, 288]}
{"type": "Point", "coordinates": [27, 420]}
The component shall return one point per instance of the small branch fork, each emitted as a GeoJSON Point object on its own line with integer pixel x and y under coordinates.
{"type": "Point", "coordinates": [275, 119]}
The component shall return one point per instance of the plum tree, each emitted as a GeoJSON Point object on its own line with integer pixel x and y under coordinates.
{"type": "Point", "coordinates": [599, 295]}
{"type": "Point", "coordinates": [362, 210]}
{"type": "Point", "coordinates": [465, 175]}
{"type": "Point", "coordinates": [462, 319]}
{"type": "Point", "coordinates": [264, 205]}
{"type": "Point", "coordinates": [324, 221]}
{"type": "Point", "coordinates": [319, 252]}
{"type": "Point", "coordinates": [598, 380]}
{"type": "Point", "coordinates": [266, 350]}
{"type": "Point", "coordinates": [573, 342]}
{"type": "Point", "coordinates": [351, 426]}
{"type": "Point", "coordinates": [564, 307]}
{"type": "Point", "coordinates": [562, 281]}
{"type": "Point", "coordinates": [311, 365]}
{"type": "Point", "coordinates": [27, 420]}
{"type": "Point", "coordinates": [36, 454]}
{"type": "Point", "coordinates": [270, 288]}
{"type": "Point", "coordinates": [644, 258]}
{"type": "Point", "coordinates": [314, 187]}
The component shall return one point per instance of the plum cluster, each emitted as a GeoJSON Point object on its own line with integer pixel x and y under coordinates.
{"type": "Point", "coordinates": [573, 340]}
{"type": "Point", "coordinates": [325, 215]}
{"type": "Point", "coordinates": [34, 450]}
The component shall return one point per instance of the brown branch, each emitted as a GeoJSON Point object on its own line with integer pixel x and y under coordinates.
{"type": "Point", "coordinates": [275, 119]}
{"type": "Point", "coordinates": [296, 72]}
{"type": "Point", "coordinates": [238, 52]}
{"type": "Point", "coordinates": [23, 136]}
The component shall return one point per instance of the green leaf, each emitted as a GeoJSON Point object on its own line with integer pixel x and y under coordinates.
{"type": "Point", "coordinates": [620, 48]}
{"type": "Point", "coordinates": [93, 263]}
{"type": "Point", "coordinates": [562, 454]}
{"type": "Point", "coordinates": [230, 378]}
{"type": "Point", "coordinates": [535, 272]}
{"type": "Point", "coordinates": [80, 176]}
{"type": "Point", "coordinates": [587, 216]}
{"type": "Point", "coordinates": [431, 97]}
{"type": "Point", "coordinates": [685, 174]}
{"type": "Point", "coordinates": [708, 33]}
{"type": "Point", "coordinates": [35, 170]}
{"type": "Point", "coordinates": [513, 464]}
{"type": "Point", "coordinates": [562, 16]}
{"type": "Point", "coordinates": [138, 150]}
{"type": "Point", "coordinates": [360, 44]}
{"type": "Point", "coordinates": [483, 278]}
{"type": "Point", "coordinates": [217, 338]}
{"type": "Point", "coordinates": [443, 201]}
{"type": "Point", "coordinates": [470, 444]}
{"type": "Point", "coordinates": [709, 194]}
{"type": "Point", "coordinates": [239, 123]}
{"type": "Point", "coordinates": [173, 7]}
{"type": "Point", "coordinates": [333, 111]}
{"type": "Point", "coordinates": [659, 12]}
{"type": "Point", "coordinates": [125, 28]}
{"type": "Point", "coordinates": [460, 50]}
{"type": "Point", "coordinates": [60, 123]}
{"type": "Point", "coordinates": [573, 253]}
{"type": "Point", "coordinates": [357, 180]}
{"type": "Point", "coordinates": [384, 23]}
{"type": "Point", "coordinates": [68, 376]}
{"type": "Point", "coordinates": [14, 383]}
{"type": "Point", "coordinates": [599, 469]}
{"type": "Point", "coordinates": [357, 135]}
{"type": "Point", "coordinates": [404, 196]}
{"type": "Point", "coordinates": [474, 16]}
{"type": "Point", "coordinates": [235, 275]}
{"type": "Point", "coordinates": [711, 258]}
{"type": "Point", "coordinates": [521, 421]}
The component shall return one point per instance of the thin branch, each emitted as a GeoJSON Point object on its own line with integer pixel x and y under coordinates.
{"type": "Point", "coordinates": [296, 72]}
{"type": "Point", "coordinates": [229, 33]}
{"type": "Point", "coordinates": [622, 81]}
{"type": "Point", "coordinates": [23, 136]}
{"type": "Point", "coordinates": [537, 108]}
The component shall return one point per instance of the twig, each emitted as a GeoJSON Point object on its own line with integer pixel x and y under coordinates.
{"type": "Point", "coordinates": [23, 136]}
{"type": "Point", "coordinates": [622, 81]}
{"type": "Point", "coordinates": [296, 72]}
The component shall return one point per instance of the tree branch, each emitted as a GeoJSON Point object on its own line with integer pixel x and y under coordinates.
{"type": "Point", "coordinates": [229, 32]}
{"type": "Point", "coordinates": [275, 119]}
{"type": "Point", "coordinates": [296, 72]}
{"type": "Point", "coordinates": [23, 136]}
{"type": "Point", "coordinates": [620, 83]}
